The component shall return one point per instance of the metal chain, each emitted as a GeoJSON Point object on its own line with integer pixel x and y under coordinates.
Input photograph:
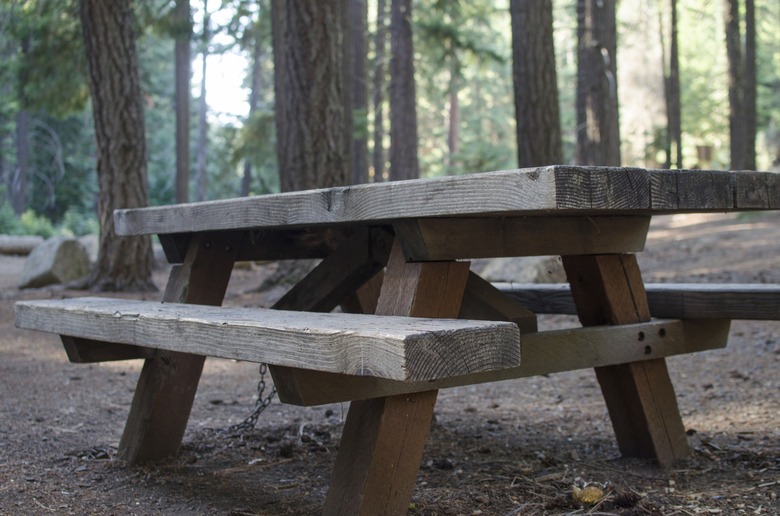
{"type": "Point", "coordinates": [260, 405]}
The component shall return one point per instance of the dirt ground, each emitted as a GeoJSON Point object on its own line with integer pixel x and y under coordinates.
{"type": "Point", "coordinates": [513, 447]}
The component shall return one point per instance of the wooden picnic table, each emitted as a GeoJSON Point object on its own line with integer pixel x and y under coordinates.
{"type": "Point", "coordinates": [402, 249]}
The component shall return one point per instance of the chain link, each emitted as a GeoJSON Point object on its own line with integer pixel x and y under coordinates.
{"type": "Point", "coordinates": [260, 405]}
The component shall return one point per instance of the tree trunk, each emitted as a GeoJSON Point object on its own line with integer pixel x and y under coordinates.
{"type": "Point", "coordinates": [254, 93]}
{"type": "Point", "coordinates": [183, 31]}
{"type": "Point", "coordinates": [109, 41]}
{"type": "Point", "coordinates": [598, 135]}
{"type": "Point", "coordinates": [667, 136]}
{"type": "Point", "coordinates": [359, 38]}
{"type": "Point", "coordinates": [203, 108]}
{"type": "Point", "coordinates": [403, 108]}
{"type": "Point", "coordinates": [453, 129]}
{"type": "Point", "coordinates": [673, 101]}
{"type": "Point", "coordinates": [379, 92]}
{"type": "Point", "coordinates": [19, 180]}
{"type": "Point", "coordinates": [735, 78]}
{"type": "Point", "coordinates": [750, 85]}
{"type": "Point", "coordinates": [536, 91]}
{"type": "Point", "coordinates": [18, 183]}
{"type": "Point", "coordinates": [312, 115]}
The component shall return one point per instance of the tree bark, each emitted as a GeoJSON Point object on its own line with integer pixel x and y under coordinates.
{"type": "Point", "coordinates": [19, 180]}
{"type": "Point", "coordinates": [403, 107]}
{"type": "Point", "coordinates": [109, 41]}
{"type": "Point", "coordinates": [203, 126]}
{"type": "Point", "coordinates": [312, 111]}
{"type": "Point", "coordinates": [750, 85]}
{"type": "Point", "coordinates": [359, 38]}
{"type": "Point", "coordinates": [379, 89]}
{"type": "Point", "coordinates": [18, 183]}
{"type": "Point", "coordinates": [673, 101]}
{"type": "Point", "coordinates": [598, 135]}
{"type": "Point", "coordinates": [736, 85]}
{"type": "Point", "coordinates": [254, 94]}
{"type": "Point", "coordinates": [183, 31]}
{"type": "Point", "coordinates": [667, 136]}
{"type": "Point", "coordinates": [453, 129]}
{"type": "Point", "coordinates": [536, 91]}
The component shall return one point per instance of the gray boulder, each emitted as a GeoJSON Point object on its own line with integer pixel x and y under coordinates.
{"type": "Point", "coordinates": [56, 260]}
{"type": "Point", "coordinates": [91, 243]}
{"type": "Point", "coordinates": [532, 269]}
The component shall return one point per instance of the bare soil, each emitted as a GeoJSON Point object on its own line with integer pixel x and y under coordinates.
{"type": "Point", "coordinates": [513, 447]}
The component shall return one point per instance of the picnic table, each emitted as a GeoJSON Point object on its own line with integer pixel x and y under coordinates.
{"type": "Point", "coordinates": [402, 249]}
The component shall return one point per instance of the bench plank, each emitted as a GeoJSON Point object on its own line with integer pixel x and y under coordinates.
{"type": "Point", "coordinates": [667, 300]}
{"type": "Point", "coordinates": [399, 348]}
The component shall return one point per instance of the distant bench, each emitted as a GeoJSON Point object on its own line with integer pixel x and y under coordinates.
{"type": "Point", "coordinates": [750, 301]}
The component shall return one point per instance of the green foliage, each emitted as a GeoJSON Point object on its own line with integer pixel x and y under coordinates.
{"type": "Point", "coordinates": [8, 220]}
{"type": "Point", "coordinates": [156, 65]}
{"type": "Point", "coordinates": [79, 223]}
{"type": "Point", "coordinates": [464, 47]}
{"type": "Point", "coordinates": [256, 142]}
{"type": "Point", "coordinates": [62, 166]}
{"type": "Point", "coordinates": [30, 223]}
{"type": "Point", "coordinates": [52, 65]}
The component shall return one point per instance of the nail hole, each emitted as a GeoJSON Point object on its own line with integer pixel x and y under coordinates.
{"type": "Point", "coordinates": [648, 350]}
{"type": "Point", "coordinates": [641, 336]}
{"type": "Point", "coordinates": [662, 332]}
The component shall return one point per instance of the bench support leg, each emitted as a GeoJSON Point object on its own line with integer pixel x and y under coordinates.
{"type": "Point", "coordinates": [166, 388]}
{"type": "Point", "coordinates": [384, 438]}
{"type": "Point", "coordinates": [608, 289]}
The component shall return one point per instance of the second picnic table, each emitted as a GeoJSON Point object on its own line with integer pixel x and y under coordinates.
{"type": "Point", "coordinates": [402, 249]}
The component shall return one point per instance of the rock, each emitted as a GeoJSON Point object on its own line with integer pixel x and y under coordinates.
{"type": "Point", "coordinates": [57, 260]}
{"type": "Point", "coordinates": [21, 245]}
{"type": "Point", "coordinates": [532, 269]}
{"type": "Point", "coordinates": [92, 244]}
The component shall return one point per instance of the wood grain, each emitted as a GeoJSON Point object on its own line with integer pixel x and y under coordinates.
{"type": "Point", "coordinates": [400, 348]}
{"type": "Point", "coordinates": [543, 353]}
{"type": "Point", "coordinates": [383, 439]}
{"type": "Point", "coordinates": [481, 237]}
{"type": "Point", "coordinates": [750, 301]}
{"type": "Point", "coordinates": [639, 395]}
{"type": "Point", "coordinates": [84, 351]}
{"type": "Point", "coordinates": [484, 302]}
{"type": "Point", "coordinates": [346, 269]}
{"type": "Point", "coordinates": [169, 379]}
{"type": "Point", "coordinates": [554, 190]}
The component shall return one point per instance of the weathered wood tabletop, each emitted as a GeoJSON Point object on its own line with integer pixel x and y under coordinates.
{"type": "Point", "coordinates": [400, 249]}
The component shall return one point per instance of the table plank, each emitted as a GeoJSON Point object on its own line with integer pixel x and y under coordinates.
{"type": "Point", "coordinates": [561, 190]}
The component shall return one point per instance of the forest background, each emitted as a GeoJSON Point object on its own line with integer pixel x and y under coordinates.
{"type": "Point", "coordinates": [464, 97]}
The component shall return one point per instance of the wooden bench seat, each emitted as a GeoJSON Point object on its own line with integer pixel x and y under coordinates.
{"type": "Point", "coordinates": [665, 300]}
{"type": "Point", "coordinates": [396, 348]}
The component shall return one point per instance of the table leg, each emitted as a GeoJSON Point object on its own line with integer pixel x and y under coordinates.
{"type": "Point", "coordinates": [608, 289]}
{"type": "Point", "coordinates": [383, 438]}
{"type": "Point", "coordinates": [166, 388]}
